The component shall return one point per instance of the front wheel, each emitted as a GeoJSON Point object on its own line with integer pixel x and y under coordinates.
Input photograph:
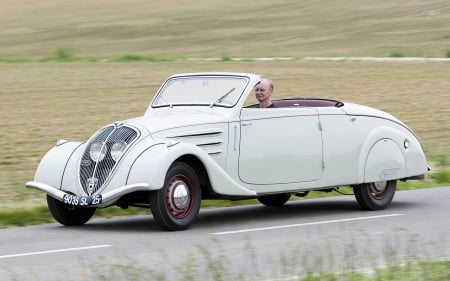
{"type": "Point", "coordinates": [69, 215]}
{"type": "Point", "coordinates": [176, 205]}
{"type": "Point", "coordinates": [375, 195]}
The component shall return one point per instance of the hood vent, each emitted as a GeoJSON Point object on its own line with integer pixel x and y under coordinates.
{"type": "Point", "coordinates": [210, 140]}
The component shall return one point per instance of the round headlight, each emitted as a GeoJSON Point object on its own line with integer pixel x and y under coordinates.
{"type": "Point", "coordinates": [97, 151]}
{"type": "Point", "coordinates": [117, 150]}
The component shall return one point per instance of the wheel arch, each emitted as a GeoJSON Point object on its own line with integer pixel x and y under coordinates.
{"type": "Point", "coordinates": [154, 162]}
{"type": "Point", "coordinates": [198, 166]}
{"type": "Point", "coordinates": [382, 156]}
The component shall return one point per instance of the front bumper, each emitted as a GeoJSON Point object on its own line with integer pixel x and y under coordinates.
{"type": "Point", "coordinates": [100, 200]}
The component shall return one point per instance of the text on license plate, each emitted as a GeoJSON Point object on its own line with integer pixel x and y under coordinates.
{"type": "Point", "coordinates": [73, 200]}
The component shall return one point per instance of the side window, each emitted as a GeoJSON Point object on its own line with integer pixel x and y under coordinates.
{"type": "Point", "coordinates": [251, 101]}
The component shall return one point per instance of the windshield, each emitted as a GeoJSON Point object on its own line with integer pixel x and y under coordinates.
{"type": "Point", "coordinates": [201, 90]}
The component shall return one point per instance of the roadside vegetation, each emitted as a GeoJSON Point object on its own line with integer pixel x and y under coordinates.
{"type": "Point", "coordinates": [412, 271]}
{"type": "Point", "coordinates": [303, 260]}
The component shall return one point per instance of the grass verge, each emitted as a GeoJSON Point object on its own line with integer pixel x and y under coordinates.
{"type": "Point", "coordinates": [413, 271]}
{"type": "Point", "coordinates": [211, 264]}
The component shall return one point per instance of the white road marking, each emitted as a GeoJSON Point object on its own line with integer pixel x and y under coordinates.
{"type": "Point", "coordinates": [54, 251]}
{"type": "Point", "coordinates": [304, 224]}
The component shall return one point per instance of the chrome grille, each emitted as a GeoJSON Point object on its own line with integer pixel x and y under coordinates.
{"type": "Point", "coordinates": [95, 172]}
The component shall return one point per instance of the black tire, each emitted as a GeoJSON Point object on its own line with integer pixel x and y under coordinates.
{"type": "Point", "coordinates": [69, 215]}
{"type": "Point", "coordinates": [275, 200]}
{"type": "Point", "coordinates": [375, 195]}
{"type": "Point", "coordinates": [176, 205]}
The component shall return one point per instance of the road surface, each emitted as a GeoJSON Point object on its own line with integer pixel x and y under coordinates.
{"type": "Point", "coordinates": [252, 242]}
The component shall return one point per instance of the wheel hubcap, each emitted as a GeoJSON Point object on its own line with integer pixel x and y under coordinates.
{"type": "Point", "coordinates": [378, 189]}
{"type": "Point", "coordinates": [178, 197]}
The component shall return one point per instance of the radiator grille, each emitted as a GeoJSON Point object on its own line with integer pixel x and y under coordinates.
{"type": "Point", "coordinates": [95, 172]}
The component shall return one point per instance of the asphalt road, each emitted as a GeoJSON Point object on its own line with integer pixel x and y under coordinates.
{"type": "Point", "coordinates": [251, 242]}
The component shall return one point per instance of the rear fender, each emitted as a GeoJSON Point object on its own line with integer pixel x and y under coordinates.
{"type": "Point", "coordinates": [389, 153]}
{"type": "Point", "coordinates": [385, 162]}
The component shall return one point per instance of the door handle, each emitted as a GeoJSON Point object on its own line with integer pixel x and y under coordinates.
{"type": "Point", "coordinates": [235, 138]}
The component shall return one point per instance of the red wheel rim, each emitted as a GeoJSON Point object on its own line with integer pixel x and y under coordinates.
{"type": "Point", "coordinates": [379, 189]}
{"type": "Point", "coordinates": [179, 200]}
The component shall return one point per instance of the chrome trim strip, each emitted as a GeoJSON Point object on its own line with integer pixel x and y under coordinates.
{"type": "Point", "coordinates": [50, 190]}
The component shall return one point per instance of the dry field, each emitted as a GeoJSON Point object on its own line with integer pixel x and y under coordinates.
{"type": "Point", "coordinates": [203, 28]}
{"type": "Point", "coordinates": [44, 102]}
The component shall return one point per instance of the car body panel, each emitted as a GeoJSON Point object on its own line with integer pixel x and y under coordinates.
{"type": "Point", "coordinates": [262, 148]}
{"type": "Point", "coordinates": [381, 168]}
{"type": "Point", "coordinates": [54, 163]}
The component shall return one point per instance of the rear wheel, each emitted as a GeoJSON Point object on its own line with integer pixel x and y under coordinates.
{"type": "Point", "coordinates": [68, 215]}
{"type": "Point", "coordinates": [375, 195]}
{"type": "Point", "coordinates": [176, 205]}
{"type": "Point", "coordinates": [275, 200]}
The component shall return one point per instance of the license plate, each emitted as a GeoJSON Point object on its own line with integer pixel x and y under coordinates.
{"type": "Point", "coordinates": [81, 201]}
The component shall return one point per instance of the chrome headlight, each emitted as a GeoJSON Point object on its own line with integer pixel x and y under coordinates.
{"type": "Point", "coordinates": [97, 151]}
{"type": "Point", "coordinates": [117, 150]}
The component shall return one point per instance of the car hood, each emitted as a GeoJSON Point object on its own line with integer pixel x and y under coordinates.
{"type": "Point", "coordinates": [163, 121]}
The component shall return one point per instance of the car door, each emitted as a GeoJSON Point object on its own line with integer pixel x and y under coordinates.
{"type": "Point", "coordinates": [280, 146]}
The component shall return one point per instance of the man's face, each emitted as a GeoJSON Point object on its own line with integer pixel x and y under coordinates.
{"type": "Point", "coordinates": [262, 91]}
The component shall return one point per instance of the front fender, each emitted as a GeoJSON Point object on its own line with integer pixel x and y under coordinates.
{"type": "Point", "coordinates": [153, 163]}
{"type": "Point", "coordinates": [54, 163]}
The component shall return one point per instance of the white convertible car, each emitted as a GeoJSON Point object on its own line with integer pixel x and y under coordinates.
{"type": "Point", "coordinates": [198, 140]}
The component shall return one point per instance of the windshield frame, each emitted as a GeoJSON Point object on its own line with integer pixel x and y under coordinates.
{"type": "Point", "coordinates": [218, 94]}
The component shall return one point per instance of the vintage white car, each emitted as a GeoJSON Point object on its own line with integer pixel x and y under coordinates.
{"type": "Point", "coordinates": [198, 140]}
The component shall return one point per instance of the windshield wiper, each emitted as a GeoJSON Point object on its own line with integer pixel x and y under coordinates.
{"type": "Point", "coordinates": [167, 103]}
{"type": "Point", "coordinates": [219, 100]}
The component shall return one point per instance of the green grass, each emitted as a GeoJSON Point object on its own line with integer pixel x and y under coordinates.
{"type": "Point", "coordinates": [441, 177]}
{"type": "Point", "coordinates": [22, 217]}
{"type": "Point", "coordinates": [397, 54]}
{"type": "Point", "coordinates": [429, 271]}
